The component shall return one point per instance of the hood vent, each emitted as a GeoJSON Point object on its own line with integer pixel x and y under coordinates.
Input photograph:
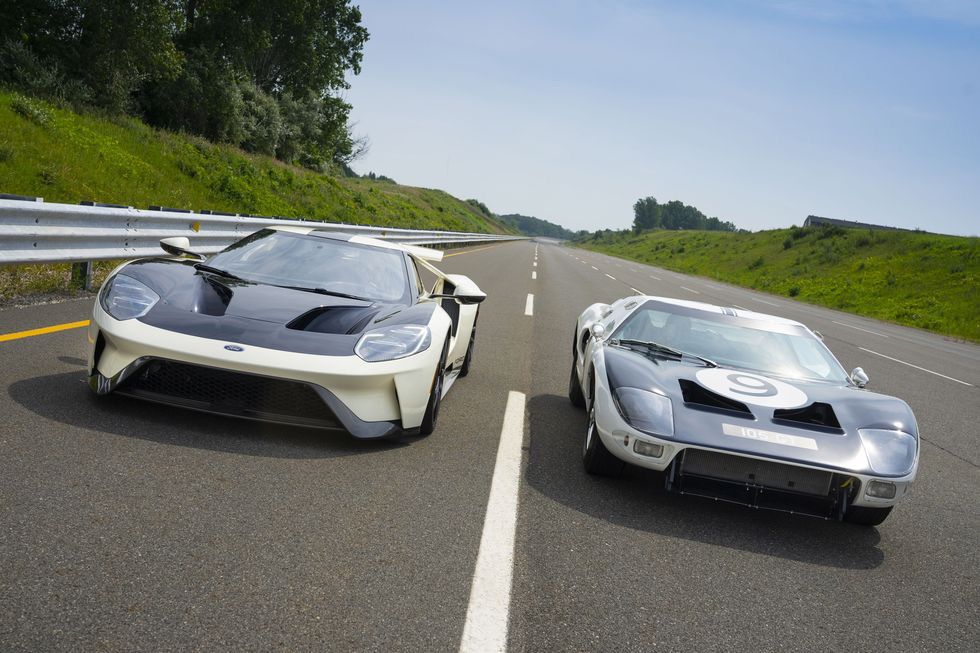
{"type": "Point", "coordinates": [817, 416]}
{"type": "Point", "coordinates": [696, 396]}
{"type": "Point", "coordinates": [334, 319]}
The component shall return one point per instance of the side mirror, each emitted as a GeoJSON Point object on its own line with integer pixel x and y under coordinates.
{"type": "Point", "coordinates": [179, 246]}
{"type": "Point", "coordinates": [470, 299]}
{"type": "Point", "coordinates": [598, 331]}
{"type": "Point", "coordinates": [859, 377]}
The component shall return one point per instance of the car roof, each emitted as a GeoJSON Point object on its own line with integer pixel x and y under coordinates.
{"type": "Point", "coordinates": [723, 310]}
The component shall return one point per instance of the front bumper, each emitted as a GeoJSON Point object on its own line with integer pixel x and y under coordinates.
{"type": "Point", "coordinates": [764, 482]}
{"type": "Point", "coordinates": [369, 400]}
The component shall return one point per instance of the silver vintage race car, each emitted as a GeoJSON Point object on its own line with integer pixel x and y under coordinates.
{"type": "Point", "coordinates": [289, 325]}
{"type": "Point", "coordinates": [738, 406]}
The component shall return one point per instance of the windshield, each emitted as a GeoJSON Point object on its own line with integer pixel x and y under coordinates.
{"type": "Point", "coordinates": [782, 350]}
{"type": "Point", "coordinates": [324, 264]}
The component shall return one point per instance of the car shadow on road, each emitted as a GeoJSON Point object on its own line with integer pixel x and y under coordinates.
{"type": "Point", "coordinates": [638, 500]}
{"type": "Point", "coordinates": [66, 398]}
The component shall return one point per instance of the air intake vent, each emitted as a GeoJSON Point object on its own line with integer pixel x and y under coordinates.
{"type": "Point", "coordinates": [817, 416]}
{"type": "Point", "coordinates": [699, 397]}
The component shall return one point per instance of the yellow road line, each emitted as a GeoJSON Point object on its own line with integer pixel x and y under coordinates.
{"type": "Point", "coordinates": [17, 335]}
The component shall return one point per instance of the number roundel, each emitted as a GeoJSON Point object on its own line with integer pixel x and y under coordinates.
{"type": "Point", "coordinates": [751, 388]}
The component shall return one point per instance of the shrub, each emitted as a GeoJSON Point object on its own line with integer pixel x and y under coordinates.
{"type": "Point", "coordinates": [6, 152]}
{"type": "Point", "coordinates": [787, 243]}
{"type": "Point", "coordinates": [32, 110]}
{"type": "Point", "coordinates": [797, 232]}
{"type": "Point", "coordinates": [794, 291]}
{"type": "Point", "coordinates": [758, 263]}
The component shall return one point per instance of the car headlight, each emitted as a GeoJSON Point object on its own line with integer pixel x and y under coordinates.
{"type": "Point", "coordinates": [125, 298]}
{"type": "Point", "coordinates": [646, 411]}
{"type": "Point", "coordinates": [393, 342]}
{"type": "Point", "coordinates": [890, 453]}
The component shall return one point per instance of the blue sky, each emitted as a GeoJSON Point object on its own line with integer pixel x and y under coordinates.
{"type": "Point", "coordinates": [756, 111]}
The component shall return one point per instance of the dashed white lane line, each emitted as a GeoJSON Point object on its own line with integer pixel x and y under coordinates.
{"type": "Point", "coordinates": [529, 305]}
{"type": "Point", "coordinates": [859, 328]}
{"type": "Point", "coordinates": [611, 276]}
{"type": "Point", "coordinates": [739, 307]}
{"type": "Point", "coordinates": [638, 292]}
{"type": "Point", "coordinates": [535, 264]}
{"type": "Point", "coordinates": [487, 614]}
{"type": "Point", "coordinates": [534, 275]}
{"type": "Point", "coordinates": [915, 366]}
{"type": "Point", "coordinates": [690, 290]}
{"type": "Point", "coordinates": [594, 268]}
{"type": "Point", "coordinates": [763, 301]}
{"type": "Point", "coordinates": [655, 278]}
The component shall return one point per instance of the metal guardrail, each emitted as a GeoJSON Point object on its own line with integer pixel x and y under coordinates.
{"type": "Point", "coordinates": [33, 231]}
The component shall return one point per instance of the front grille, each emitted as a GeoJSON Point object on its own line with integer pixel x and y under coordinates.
{"type": "Point", "coordinates": [748, 471]}
{"type": "Point", "coordinates": [229, 393]}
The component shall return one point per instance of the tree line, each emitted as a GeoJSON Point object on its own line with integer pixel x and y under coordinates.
{"type": "Point", "coordinates": [649, 214]}
{"type": "Point", "coordinates": [264, 75]}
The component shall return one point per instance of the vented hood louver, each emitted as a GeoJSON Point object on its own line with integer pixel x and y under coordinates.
{"type": "Point", "coordinates": [817, 416]}
{"type": "Point", "coordinates": [699, 397]}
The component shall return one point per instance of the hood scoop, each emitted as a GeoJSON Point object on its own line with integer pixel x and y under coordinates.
{"type": "Point", "coordinates": [817, 416]}
{"type": "Point", "coordinates": [335, 319]}
{"type": "Point", "coordinates": [697, 396]}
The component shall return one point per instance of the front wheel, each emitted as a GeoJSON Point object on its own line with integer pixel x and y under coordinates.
{"type": "Point", "coordinates": [428, 424]}
{"type": "Point", "coordinates": [595, 457]}
{"type": "Point", "coordinates": [575, 386]}
{"type": "Point", "coordinates": [866, 516]}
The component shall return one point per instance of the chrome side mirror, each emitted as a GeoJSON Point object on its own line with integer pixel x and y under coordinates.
{"type": "Point", "coordinates": [179, 246]}
{"type": "Point", "coordinates": [859, 377]}
{"type": "Point", "coordinates": [598, 331]}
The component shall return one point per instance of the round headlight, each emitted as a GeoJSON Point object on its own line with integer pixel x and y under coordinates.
{"type": "Point", "coordinates": [125, 298]}
{"type": "Point", "coordinates": [393, 342]}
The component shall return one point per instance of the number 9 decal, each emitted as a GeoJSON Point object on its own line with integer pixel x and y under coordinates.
{"type": "Point", "coordinates": [752, 388]}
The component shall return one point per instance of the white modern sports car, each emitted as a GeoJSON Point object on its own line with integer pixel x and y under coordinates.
{"type": "Point", "coordinates": [290, 325]}
{"type": "Point", "coordinates": [738, 406]}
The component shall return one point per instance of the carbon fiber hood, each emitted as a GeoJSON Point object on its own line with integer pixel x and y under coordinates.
{"type": "Point", "coordinates": [700, 419]}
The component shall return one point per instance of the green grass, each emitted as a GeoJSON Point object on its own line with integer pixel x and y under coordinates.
{"type": "Point", "coordinates": [67, 157]}
{"type": "Point", "coordinates": [917, 279]}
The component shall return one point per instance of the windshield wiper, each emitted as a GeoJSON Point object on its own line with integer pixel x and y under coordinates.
{"type": "Point", "coordinates": [656, 347]}
{"type": "Point", "coordinates": [332, 293]}
{"type": "Point", "coordinates": [208, 268]}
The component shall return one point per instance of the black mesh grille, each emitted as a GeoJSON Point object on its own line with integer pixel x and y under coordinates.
{"type": "Point", "coordinates": [231, 393]}
{"type": "Point", "coordinates": [750, 471]}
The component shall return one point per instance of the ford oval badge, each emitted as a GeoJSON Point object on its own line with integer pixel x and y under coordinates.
{"type": "Point", "coordinates": [234, 348]}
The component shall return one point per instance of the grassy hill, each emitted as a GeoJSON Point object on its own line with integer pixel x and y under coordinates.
{"type": "Point", "coordinates": [67, 157]}
{"type": "Point", "coordinates": [921, 280]}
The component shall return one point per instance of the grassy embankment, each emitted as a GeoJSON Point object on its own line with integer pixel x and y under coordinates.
{"type": "Point", "coordinates": [917, 279]}
{"type": "Point", "coordinates": [67, 157]}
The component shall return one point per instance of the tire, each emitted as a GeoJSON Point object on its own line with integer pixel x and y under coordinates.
{"type": "Point", "coordinates": [431, 416]}
{"type": "Point", "coordinates": [595, 457]}
{"type": "Point", "coordinates": [468, 359]}
{"type": "Point", "coordinates": [574, 386]}
{"type": "Point", "coordinates": [866, 516]}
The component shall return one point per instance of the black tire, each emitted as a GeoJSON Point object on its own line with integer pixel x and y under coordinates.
{"type": "Point", "coordinates": [575, 387]}
{"type": "Point", "coordinates": [468, 359]}
{"type": "Point", "coordinates": [431, 416]}
{"type": "Point", "coordinates": [595, 457]}
{"type": "Point", "coordinates": [866, 516]}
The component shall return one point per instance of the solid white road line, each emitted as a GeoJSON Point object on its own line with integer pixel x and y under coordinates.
{"type": "Point", "coordinates": [915, 366]}
{"type": "Point", "coordinates": [487, 615]}
{"type": "Point", "coordinates": [859, 328]}
{"type": "Point", "coordinates": [529, 305]}
{"type": "Point", "coordinates": [534, 275]}
{"type": "Point", "coordinates": [763, 301]}
{"type": "Point", "coordinates": [690, 290]}
{"type": "Point", "coordinates": [594, 267]}
{"type": "Point", "coordinates": [611, 277]}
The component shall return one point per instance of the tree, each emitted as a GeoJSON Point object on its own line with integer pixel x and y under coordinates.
{"type": "Point", "coordinates": [646, 214]}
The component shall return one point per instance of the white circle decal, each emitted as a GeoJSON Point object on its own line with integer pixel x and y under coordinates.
{"type": "Point", "coordinates": [751, 388]}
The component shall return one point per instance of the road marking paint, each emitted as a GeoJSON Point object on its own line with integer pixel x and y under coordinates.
{"type": "Point", "coordinates": [17, 335]}
{"type": "Point", "coordinates": [529, 305]}
{"type": "Point", "coordinates": [656, 278]}
{"type": "Point", "coordinates": [534, 275]}
{"type": "Point", "coordinates": [859, 328]}
{"type": "Point", "coordinates": [535, 264]}
{"type": "Point", "coordinates": [638, 292]}
{"type": "Point", "coordinates": [489, 607]}
{"type": "Point", "coordinates": [763, 301]}
{"type": "Point", "coordinates": [611, 276]}
{"type": "Point", "coordinates": [471, 251]}
{"type": "Point", "coordinates": [741, 307]}
{"type": "Point", "coordinates": [690, 290]}
{"type": "Point", "coordinates": [594, 268]}
{"type": "Point", "coordinates": [915, 366]}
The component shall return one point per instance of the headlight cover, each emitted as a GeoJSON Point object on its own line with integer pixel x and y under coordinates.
{"type": "Point", "coordinates": [393, 342]}
{"type": "Point", "coordinates": [890, 453]}
{"type": "Point", "coordinates": [646, 411]}
{"type": "Point", "coordinates": [125, 298]}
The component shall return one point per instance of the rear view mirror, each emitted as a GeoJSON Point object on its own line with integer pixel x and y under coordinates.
{"type": "Point", "coordinates": [598, 331]}
{"type": "Point", "coordinates": [179, 246]}
{"type": "Point", "coordinates": [859, 377]}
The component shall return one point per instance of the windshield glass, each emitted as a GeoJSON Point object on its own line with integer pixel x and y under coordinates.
{"type": "Point", "coordinates": [287, 259]}
{"type": "Point", "coordinates": [782, 350]}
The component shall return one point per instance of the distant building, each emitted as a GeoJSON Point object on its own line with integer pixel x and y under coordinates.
{"type": "Point", "coordinates": [816, 221]}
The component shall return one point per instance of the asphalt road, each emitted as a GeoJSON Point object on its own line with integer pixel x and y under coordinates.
{"type": "Point", "coordinates": [130, 526]}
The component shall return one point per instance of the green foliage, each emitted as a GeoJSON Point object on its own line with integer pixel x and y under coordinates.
{"type": "Point", "coordinates": [33, 110]}
{"type": "Point", "coordinates": [674, 215]}
{"type": "Point", "coordinates": [531, 226]}
{"type": "Point", "coordinates": [480, 206]}
{"type": "Point", "coordinates": [922, 280]}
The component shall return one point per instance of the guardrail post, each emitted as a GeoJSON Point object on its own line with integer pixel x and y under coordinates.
{"type": "Point", "coordinates": [81, 275]}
